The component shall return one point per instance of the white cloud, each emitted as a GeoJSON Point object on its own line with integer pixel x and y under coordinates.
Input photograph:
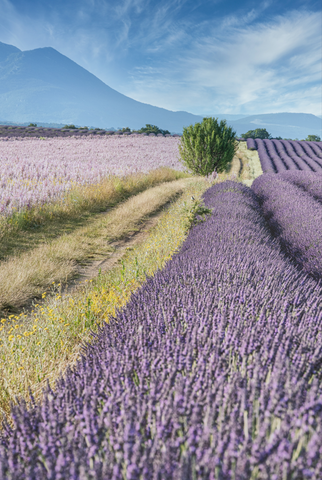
{"type": "Point", "coordinates": [266, 66]}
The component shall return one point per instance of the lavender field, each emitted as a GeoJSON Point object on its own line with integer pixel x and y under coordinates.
{"type": "Point", "coordinates": [279, 155]}
{"type": "Point", "coordinates": [212, 371]}
{"type": "Point", "coordinates": [38, 171]}
{"type": "Point", "coordinates": [291, 204]}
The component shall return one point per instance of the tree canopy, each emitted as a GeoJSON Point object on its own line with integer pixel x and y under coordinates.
{"type": "Point", "coordinates": [257, 133]}
{"type": "Point", "coordinates": [152, 129]}
{"type": "Point", "coordinates": [313, 138]}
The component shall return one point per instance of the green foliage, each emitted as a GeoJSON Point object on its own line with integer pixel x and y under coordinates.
{"type": "Point", "coordinates": [278, 138]}
{"type": "Point", "coordinates": [195, 213]}
{"type": "Point", "coordinates": [126, 129]}
{"type": "Point", "coordinates": [152, 129]}
{"type": "Point", "coordinates": [313, 138]}
{"type": "Point", "coordinates": [207, 146]}
{"type": "Point", "coordinates": [258, 133]}
{"type": "Point", "coordinates": [69, 126]}
{"type": "Point", "coordinates": [32, 125]}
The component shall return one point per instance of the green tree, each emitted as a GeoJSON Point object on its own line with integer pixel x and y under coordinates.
{"type": "Point", "coordinates": [208, 146]}
{"type": "Point", "coordinates": [152, 129]}
{"type": "Point", "coordinates": [126, 129]}
{"type": "Point", "coordinates": [258, 133]}
{"type": "Point", "coordinates": [32, 125]}
{"type": "Point", "coordinates": [69, 126]}
{"type": "Point", "coordinates": [313, 138]}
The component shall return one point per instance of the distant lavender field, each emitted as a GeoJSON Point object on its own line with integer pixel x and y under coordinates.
{"type": "Point", "coordinates": [36, 171]}
{"type": "Point", "coordinates": [281, 155]}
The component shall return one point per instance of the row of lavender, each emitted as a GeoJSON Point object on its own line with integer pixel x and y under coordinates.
{"type": "Point", "coordinates": [292, 205]}
{"type": "Point", "coordinates": [212, 371]}
{"type": "Point", "coordinates": [22, 132]}
{"type": "Point", "coordinates": [280, 155]}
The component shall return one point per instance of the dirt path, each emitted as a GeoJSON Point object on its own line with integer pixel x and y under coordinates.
{"type": "Point", "coordinates": [92, 268]}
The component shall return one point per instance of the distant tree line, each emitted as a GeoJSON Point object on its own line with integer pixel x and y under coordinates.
{"type": "Point", "coordinates": [262, 133]}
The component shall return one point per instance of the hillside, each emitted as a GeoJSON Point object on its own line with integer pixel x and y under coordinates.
{"type": "Point", "coordinates": [45, 86]}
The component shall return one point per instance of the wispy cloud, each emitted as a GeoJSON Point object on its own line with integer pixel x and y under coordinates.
{"type": "Point", "coordinates": [183, 55]}
{"type": "Point", "coordinates": [252, 67]}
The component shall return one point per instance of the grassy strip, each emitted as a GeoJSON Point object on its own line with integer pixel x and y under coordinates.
{"type": "Point", "coordinates": [251, 164]}
{"type": "Point", "coordinates": [29, 227]}
{"type": "Point", "coordinates": [37, 349]}
{"type": "Point", "coordinates": [27, 275]}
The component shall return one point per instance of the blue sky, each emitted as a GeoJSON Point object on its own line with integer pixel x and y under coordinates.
{"type": "Point", "coordinates": [204, 57]}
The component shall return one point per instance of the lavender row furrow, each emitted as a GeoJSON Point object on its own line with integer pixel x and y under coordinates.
{"type": "Point", "coordinates": [280, 155]}
{"type": "Point", "coordinates": [212, 371]}
{"type": "Point", "coordinates": [266, 162]}
{"type": "Point", "coordinates": [274, 156]}
{"type": "Point", "coordinates": [313, 153]}
{"type": "Point", "coordinates": [289, 162]}
{"type": "Point", "coordinates": [296, 162]}
{"type": "Point", "coordinates": [295, 217]}
{"type": "Point", "coordinates": [313, 161]}
{"type": "Point", "coordinates": [315, 148]}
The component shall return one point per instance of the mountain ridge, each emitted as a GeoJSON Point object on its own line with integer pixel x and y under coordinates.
{"type": "Point", "coordinates": [45, 86]}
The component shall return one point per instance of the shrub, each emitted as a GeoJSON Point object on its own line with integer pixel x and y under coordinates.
{"type": "Point", "coordinates": [152, 129]}
{"type": "Point", "coordinates": [69, 126]}
{"type": "Point", "coordinates": [32, 125]}
{"type": "Point", "coordinates": [258, 133]}
{"type": "Point", "coordinates": [207, 146]}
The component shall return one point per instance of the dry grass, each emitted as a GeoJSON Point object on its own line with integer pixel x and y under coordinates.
{"type": "Point", "coordinates": [30, 227]}
{"type": "Point", "coordinates": [27, 275]}
{"type": "Point", "coordinates": [40, 347]}
{"type": "Point", "coordinates": [251, 166]}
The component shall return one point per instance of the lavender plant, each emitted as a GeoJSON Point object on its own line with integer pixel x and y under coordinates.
{"type": "Point", "coordinates": [212, 371]}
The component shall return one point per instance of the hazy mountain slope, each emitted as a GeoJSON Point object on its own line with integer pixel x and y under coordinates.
{"type": "Point", "coordinates": [44, 85]}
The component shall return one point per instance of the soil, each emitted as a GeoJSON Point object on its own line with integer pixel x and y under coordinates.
{"type": "Point", "coordinates": [91, 270]}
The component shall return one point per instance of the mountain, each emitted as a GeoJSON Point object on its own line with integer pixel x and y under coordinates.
{"type": "Point", "coordinates": [45, 87]}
